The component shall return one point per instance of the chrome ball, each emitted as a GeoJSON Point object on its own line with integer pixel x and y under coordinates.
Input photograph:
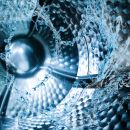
{"type": "Point", "coordinates": [26, 55]}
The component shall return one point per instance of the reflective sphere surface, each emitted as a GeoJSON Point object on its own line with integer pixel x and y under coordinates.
{"type": "Point", "coordinates": [25, 55]}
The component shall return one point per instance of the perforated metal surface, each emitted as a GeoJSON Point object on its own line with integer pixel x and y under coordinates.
{"type": "Point", "coordinates": [78, 40]}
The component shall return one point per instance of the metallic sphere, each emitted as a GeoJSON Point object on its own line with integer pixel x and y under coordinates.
{"type": "Point", "coordinates": [25, 55]}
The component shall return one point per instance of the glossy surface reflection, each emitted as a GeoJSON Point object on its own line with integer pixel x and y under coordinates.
{"type": "Point", "coordinates": [26, 55]}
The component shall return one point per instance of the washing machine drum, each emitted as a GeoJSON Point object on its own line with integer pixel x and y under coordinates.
{"type": "Point", "coordinates": [52, 57]}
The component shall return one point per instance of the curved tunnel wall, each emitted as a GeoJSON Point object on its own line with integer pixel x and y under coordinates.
{"type": "Point", "coordinates": [83, 38]}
